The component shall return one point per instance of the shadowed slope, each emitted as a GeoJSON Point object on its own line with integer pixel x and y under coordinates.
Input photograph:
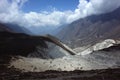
{"type": "Point", "coordinates": [23, 44]}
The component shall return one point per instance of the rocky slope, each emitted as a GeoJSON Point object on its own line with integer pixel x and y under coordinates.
{"type": "Point", "coordinates": [100, 59]}
{"type": "Point", "coordinates": [92, 29]}
{"type": "Point", "coordinates": [98, 46]}
{"type": "Point", "coordinates": [105, 74]}
{"type": "Point", "coordinates": [68, 68]}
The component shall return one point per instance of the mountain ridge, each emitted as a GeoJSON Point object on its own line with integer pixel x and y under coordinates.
{"type": "Point", "coordinates": [91, 29]}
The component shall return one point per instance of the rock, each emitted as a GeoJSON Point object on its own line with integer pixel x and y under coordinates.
{"type": "Point", "coordinates": [99, 46]}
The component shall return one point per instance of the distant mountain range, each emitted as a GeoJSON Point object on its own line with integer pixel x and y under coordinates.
{"type": "Point", "coordinates": [92, 29]}
{"type": "Point", "coordinates": [13, 28]}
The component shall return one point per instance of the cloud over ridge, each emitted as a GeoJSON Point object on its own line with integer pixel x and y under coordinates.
{"type": "Point", "coordinates": [10, 12]}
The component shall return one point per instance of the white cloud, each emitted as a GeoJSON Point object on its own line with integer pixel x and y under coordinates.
{"type": "Point", "coordinates": [10, 12]}
{"type": "Point", "coordinates": [86, 8]}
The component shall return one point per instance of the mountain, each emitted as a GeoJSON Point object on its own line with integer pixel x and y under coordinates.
{"type": "Point", "coordinates": [105, 57]}
{"type": "Point", "coordinates": [14, 28]}
{"type": "Point", "coordinates": [92, 29]}
{"type": "Point", "coordinates": [19, 44]}
{"type": "Point", "coordinates": [5, 28]}
{"type": "Point", "coordinates": [42, 30]}
{"type": "Point", "coordinates": [15, 40]}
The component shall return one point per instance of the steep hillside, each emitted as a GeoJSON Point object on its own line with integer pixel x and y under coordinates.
{"type": "Point", "coordinates": [92, 29]}
{"type": "Point", "coordinates": [21, 44]}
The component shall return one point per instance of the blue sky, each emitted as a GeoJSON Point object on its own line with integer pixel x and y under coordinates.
{"type": "Point", "coordinates": [52, 13]}
{"type": "Point", "coordinates": [48, 5]}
